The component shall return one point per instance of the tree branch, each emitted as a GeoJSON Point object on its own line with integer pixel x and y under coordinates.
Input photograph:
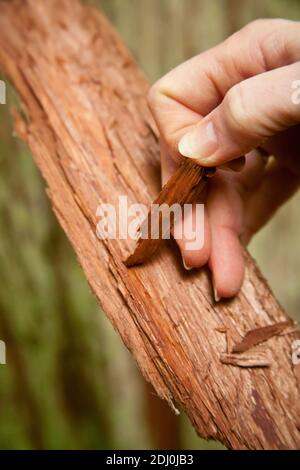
{"type": "Point", "coordinates": [91, 135]}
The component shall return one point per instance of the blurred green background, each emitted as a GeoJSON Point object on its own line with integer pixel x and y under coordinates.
{"type": "Point", "coordinates": [69, 381]}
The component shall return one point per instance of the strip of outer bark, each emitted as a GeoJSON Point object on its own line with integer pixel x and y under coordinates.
{"type": "Point", "coordinates": [91, 135]}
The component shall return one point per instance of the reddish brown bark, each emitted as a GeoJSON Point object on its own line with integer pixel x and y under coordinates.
{"type": "Point", "coordinates": [184, 186]}
{"type": "Point", "coordinates": [91, 135]}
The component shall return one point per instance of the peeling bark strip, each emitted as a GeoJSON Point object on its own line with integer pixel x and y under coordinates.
{"type": "Point", "coordinates": [91, 135]}
{"type": "Point", "coordinates": [184, 186]}
{"type": "Point", "coordinates": [259, 335]}
{"type": "Point", "coordinates": [254, 359]}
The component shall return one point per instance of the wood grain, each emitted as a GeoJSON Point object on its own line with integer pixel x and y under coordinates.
{"type": "Point", "coordinates": [184, 187]}
{"type": "Point", "coordinates": [90, 132]}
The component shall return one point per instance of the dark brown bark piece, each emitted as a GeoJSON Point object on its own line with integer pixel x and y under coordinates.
{"type": "Point", "coordinates": [184, 187]}
{"type": "Point", "coordinates": [259, 335]}
{"type": "Point", "coordinates": [91, 134]}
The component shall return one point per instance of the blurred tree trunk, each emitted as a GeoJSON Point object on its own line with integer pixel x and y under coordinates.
{"type": "Point", "coordinates": [63, 358]}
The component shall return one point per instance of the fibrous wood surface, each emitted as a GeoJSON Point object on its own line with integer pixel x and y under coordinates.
{"type": "Point", "coordinates": [90, 132]}
{"type": "Point", "coordinates": [188, 182]}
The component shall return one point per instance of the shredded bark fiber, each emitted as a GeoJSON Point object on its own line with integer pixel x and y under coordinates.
{"type": "Point", "coordinates": [91, 135]}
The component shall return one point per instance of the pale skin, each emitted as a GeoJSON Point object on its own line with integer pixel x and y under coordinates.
{"type": "Point", "coordinates": [240, 98]}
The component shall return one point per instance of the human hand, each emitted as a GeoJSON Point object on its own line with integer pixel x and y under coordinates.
{"type": "Point", "coordinates": [240, 98]}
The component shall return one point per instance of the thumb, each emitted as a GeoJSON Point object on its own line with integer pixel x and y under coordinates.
{"type": "Point", "coordinates": [251, 111]}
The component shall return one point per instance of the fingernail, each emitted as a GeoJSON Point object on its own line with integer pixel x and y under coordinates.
{"type": "Point", "coordinates": [199, 143]}
{"type": "Point", "coordinates": [188, 268]}
{"type": "Point", "coordinates": [216, 295]}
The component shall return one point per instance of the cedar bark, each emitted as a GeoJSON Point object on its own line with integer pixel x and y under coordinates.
{"type": "Point", "coordinates": [188, 182]}
{"type": "Point", "coordinates": [90, 132]}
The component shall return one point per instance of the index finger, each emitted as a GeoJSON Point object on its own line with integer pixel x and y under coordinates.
{"type": "Point", "coordinates": [192, 90]}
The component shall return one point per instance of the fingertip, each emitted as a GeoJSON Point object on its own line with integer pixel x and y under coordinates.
{"type": "Point", "coordinates": [194, 244]}
{"type": "Point", "coordinates": [194, 258]}
{"type": "Point", "coordinates": [228, 268]}
{"type": "Point", "coordinates": [225, 288]}
{"type": "Point", "coordinates": [200, 144]}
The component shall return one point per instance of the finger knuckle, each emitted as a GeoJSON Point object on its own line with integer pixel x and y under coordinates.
{"type": "Point", "coordinates": [151, 95]}
{"type": "Point", "coordinates": [257, 24]}
{"type": "Point", "coordinates": [154, 95]}
{"type": "Point", "coordinates": [265, 26]}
